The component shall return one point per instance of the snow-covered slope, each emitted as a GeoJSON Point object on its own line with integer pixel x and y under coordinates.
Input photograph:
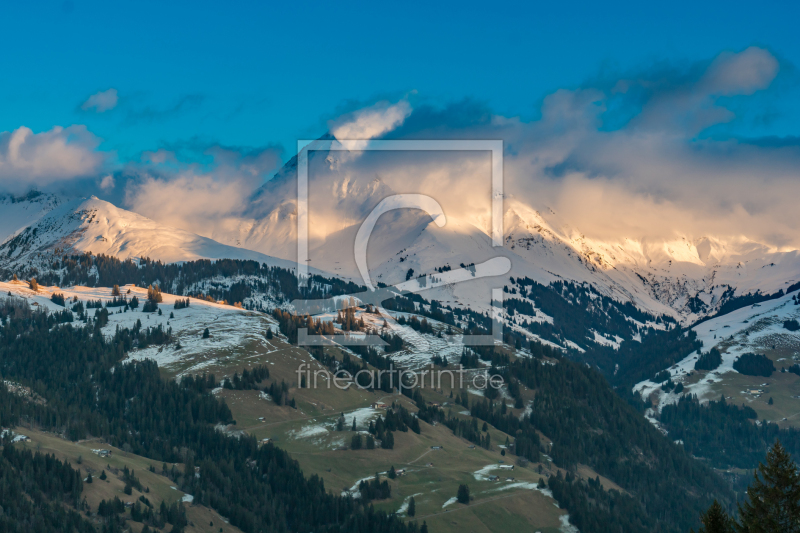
{"type": "Point", "coordinates": [685, 278]}
{"type": "Point", "coordinates": [757, 328]}
{"type": "Point", "coordinates": [93, 225]}
{"type": "Point", "coordinates": [688, 279]}
{"type": "Point", "coordinates": [18, 213]}
{"type": "Point", "coordinates": [230, 327]}
{"type": "Point", "coordinates": [680, 277]}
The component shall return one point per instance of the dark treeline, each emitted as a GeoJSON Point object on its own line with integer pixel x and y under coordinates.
{"type": "Point", "coordinates": [181, 278]}
{"type": "Point", "coordinates": [469, 358]}
{"type": "Point", "coordinates": [422, 326]}
{"type": "Point", "coordinates": [249, 379]}
{"type": "Point", "coordinates": [470, 430]}
{"type": "Point", "coordinates": [576, 310]}
{"type": "Point", "coordinates": [725, 433]}
{"type": "Point", "coordinates": [39, 494]}
{"type": "Point", "coordinates": [593, 509]}
{"type": "Point", "coordinates": [89, 393]}
{"type": "Point", "coordinates": [375, 489]}
{"type": "Point", "coordinates": [526, 440]}
{"type": "Point", "coordinates": [414, 303]}
{"type": "Point", "coordinates": [708, 361]}
{"type": "Point", "coordinates": [638, 361]}
{"type": "Point", "coordinates": [279, 392]}
{"type": "Point", "coordinates": [751, 364]}
{"type": "Point", "coordinates": [142, 511]}
{"type": "Point", "coordinates": [397, 418]}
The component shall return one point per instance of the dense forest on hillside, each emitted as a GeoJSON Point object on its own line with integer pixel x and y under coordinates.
{"type": "Point", "coordinates": [724, 433]}
{"type": "Point", "coordinates": [40, 494]}
{"type": "Point", "coordinates": [638, 361]}
{"type": "Point", "coordinates": [88, 392]}
{"type": "Point", "coordinates": [577, 311]}
{"type": "Point", "coordinates": [180, 278]}
{"type": "Point", "coordinates": [590, 424]}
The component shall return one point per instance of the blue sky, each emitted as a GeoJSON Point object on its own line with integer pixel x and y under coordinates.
{"type": "Point", "coordinates": [256, 74]}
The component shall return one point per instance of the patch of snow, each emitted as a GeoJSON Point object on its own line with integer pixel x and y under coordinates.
{"type": "Point", "coordinates": [483, 473]}
{"type": "Point", "coordinates": [404, 507]}
{"type": "Point", "coordinates": [363, 416]}
{"type": "Point", "coordinates": [309, 431]}
{"type": "Point", "coordinates": [566, 527]}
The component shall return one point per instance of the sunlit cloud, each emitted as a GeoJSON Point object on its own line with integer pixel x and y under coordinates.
{"type": "Point", "coordinates": [39, 159]}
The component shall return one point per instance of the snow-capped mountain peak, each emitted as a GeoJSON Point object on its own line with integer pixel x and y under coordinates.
{"type": "Point", "coordinates": [97, 226]}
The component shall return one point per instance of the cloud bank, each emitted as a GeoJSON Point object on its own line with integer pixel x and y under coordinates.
{"type": "Point", "coordinates": [626, 156]}
{"type": "Point", "coordinates": [39, 159]}
{"type": "Point", "coordinates": [171, 188]}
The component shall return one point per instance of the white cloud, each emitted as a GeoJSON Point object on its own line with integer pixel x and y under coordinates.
{"type": "Point", "coordinates": [28, 158]}
{"type": "Point", "coordinates": [101, 102]}
{"type": "Point", "coordinates": [745, 72]}
{"type": "Point", "coordinates": [191, 201]}
{"type": "Point", "coordinates": [196, 198]}
{"type": "Point", "coordinates": [371, 122]}
{"type": "Point", "coordinates": [107, 183]}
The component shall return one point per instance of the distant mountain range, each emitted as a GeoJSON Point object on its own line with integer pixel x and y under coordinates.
{"type": "Point", "coordinates": [685, 279]}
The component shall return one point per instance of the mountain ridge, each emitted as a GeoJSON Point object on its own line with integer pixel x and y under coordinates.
{"type": "Point", "coordinates": [96, 226]}
{"type": "Point", "coordinates": [687, 279]}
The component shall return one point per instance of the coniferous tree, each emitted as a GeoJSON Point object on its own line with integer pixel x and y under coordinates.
{"type": "Point", "coordinates": [463, 494]}
{"type": "Point", "coordinates": [388, 441]}
{"type": "Point", "coordinates": [715, 520]}
{"type": "Point", "coordinates": [773, 500]}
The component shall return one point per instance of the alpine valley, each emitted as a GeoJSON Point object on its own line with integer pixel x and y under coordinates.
{"type": "Point", "coordinates": [161, 371]}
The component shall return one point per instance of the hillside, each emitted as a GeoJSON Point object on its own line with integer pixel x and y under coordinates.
{"type": "Point", "coordinates": [551, 466]}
